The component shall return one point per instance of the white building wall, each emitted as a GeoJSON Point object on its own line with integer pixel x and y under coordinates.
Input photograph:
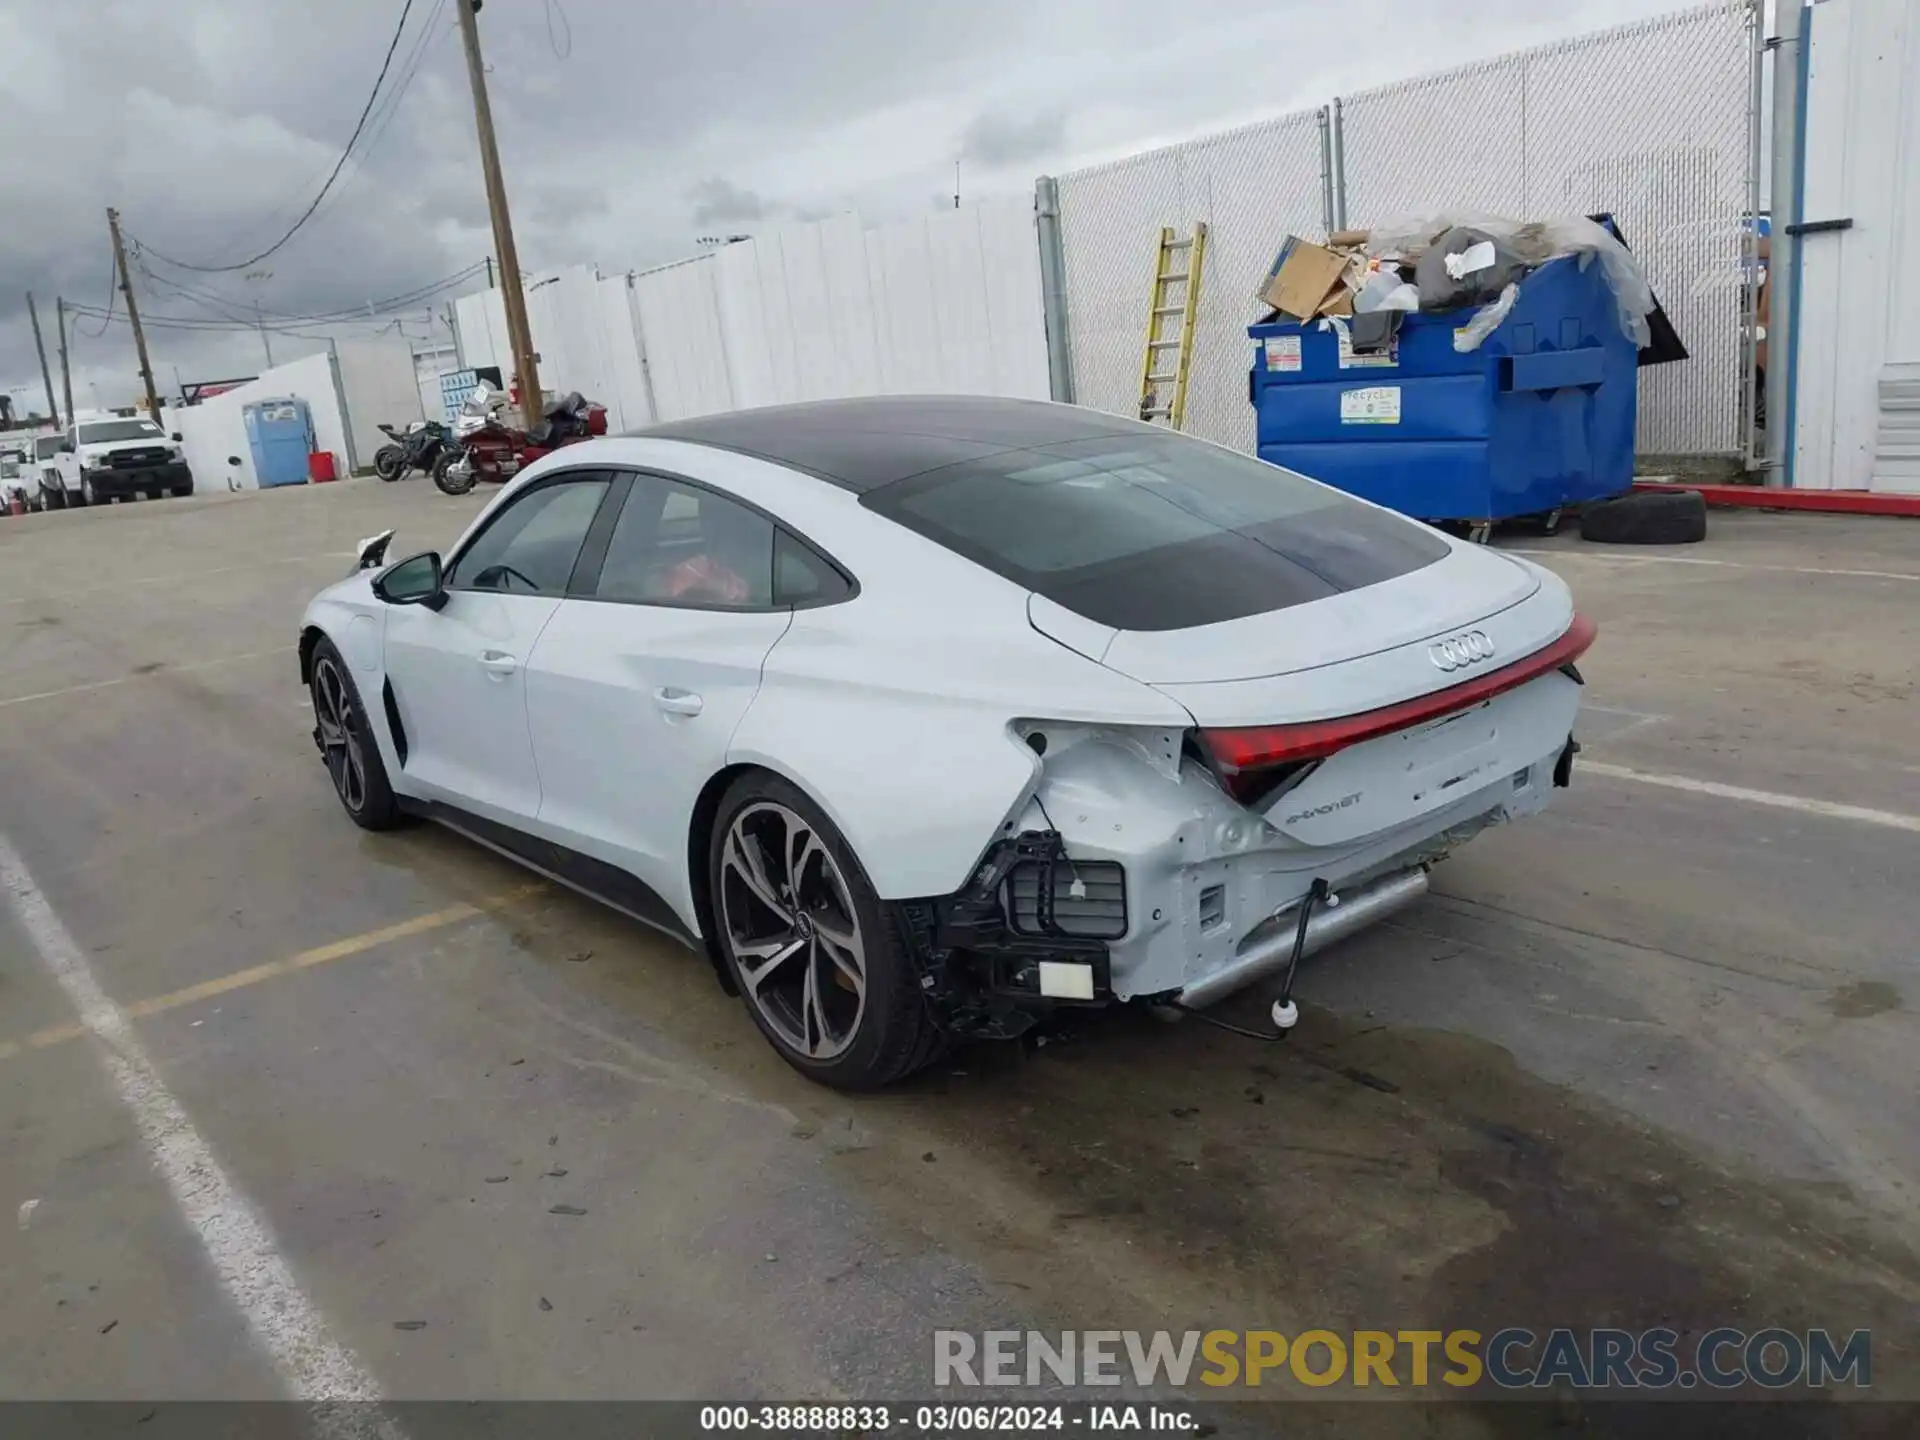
{"type": "Point", "coordinates": [216, 429]}
{"type": "Point", "coordinates": [1856, 402]}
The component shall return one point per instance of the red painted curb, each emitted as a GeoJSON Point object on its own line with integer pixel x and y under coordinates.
{"type": "Point", "coordinates": [1761, 497]}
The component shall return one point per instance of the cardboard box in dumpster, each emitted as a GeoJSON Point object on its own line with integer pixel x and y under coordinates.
{"type": "Point", "coordinates": [1302, 278]}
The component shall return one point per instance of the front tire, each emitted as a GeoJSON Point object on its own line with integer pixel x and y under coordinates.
{"type": "Point", "coordinates": [818, 958]}
{"type": "Point", "coordinates": [52, 499]}
{"type": "Point", "coordinates": [444, 476]}
{"type": "Point", "coordinates": [87, 494]}
{"type": "Point", "coordinates": [347, 744]}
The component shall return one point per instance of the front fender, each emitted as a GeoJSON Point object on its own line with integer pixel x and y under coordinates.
{"type": "Point", "coordinates": [349, 615]}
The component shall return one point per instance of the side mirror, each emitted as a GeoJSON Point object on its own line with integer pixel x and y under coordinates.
{"type": "Point", "coordinates": [66, 447]}
{"type": "Point", "coordinates": [414, 581]}
{"type": "Point", "coordinates": [176, 437]}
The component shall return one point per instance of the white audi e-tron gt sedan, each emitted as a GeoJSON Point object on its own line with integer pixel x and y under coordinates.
{"type": "Point", "coordinates": [924, 716]}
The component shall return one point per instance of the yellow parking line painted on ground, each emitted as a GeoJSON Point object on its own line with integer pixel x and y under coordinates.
{"type": "Point", "coordinates": [273, 969]}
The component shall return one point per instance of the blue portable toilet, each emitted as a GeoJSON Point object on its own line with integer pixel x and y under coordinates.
{"type": "Point", "coordinates": [280, 434]}
{"type": "Point", "coordinates": [1539, 416]}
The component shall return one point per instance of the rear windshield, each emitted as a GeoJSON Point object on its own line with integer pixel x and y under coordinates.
{"type": "Point", "coordinates": [1151, 532]}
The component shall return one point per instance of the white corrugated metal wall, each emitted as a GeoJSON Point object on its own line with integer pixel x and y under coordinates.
{"type": "Point", "coordinates": [949, 303]}
{"type": "Point", "coordinates": [1856, 403]}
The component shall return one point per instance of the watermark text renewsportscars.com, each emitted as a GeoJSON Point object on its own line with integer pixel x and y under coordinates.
{"type": "Point", "coordinates": [1515, 1358]}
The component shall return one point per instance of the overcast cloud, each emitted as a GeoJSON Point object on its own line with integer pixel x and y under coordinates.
{"type": "Point", "coordinates": [627, 129]}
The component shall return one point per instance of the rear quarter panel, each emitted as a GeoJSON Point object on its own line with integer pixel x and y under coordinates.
{"type": "Point", "coordinates": [892, 709]}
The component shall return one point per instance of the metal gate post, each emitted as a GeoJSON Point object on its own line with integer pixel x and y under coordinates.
{"type": "Point", "coordinates": [1326, 169]}
{"type": "Point", "coordinates": [1339, 167]}
{"type": "Point", "coordinates": [1783, 245]}
{"type": "Point", "coordinates": [1053, 288]}
{"type": "Point", "coordinates": [1750, 244]}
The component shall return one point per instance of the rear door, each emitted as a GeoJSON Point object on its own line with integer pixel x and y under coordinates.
{"type": "Point", "coordinates": [641, 679]}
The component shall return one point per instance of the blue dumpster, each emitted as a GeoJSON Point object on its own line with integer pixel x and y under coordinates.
{"type": "Point", "coordinates": [1538, 417]}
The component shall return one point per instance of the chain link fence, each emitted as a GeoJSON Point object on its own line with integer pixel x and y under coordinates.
{"type": "Point", "coordinates": [1654, 122]}
{"type": "Point", "coordinates": [1252, 186]}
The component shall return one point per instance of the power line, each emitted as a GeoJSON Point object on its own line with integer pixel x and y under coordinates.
{"type": "Point", "coordinates": [406, 9]}
{"type": "Point", "coordinates": [415, 58]}
{"type": "Point", "coordinates": [112, 295]}
{"type": "Point", "coordinates": [553, 8]}
{"type": "Point", "coordinates": [219, 303]}
{"type": "Point", "coordinates": [204, 325]}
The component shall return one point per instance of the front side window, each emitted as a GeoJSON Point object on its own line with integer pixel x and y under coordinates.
{"type": "Point", "coordinates": [107, 432]}
{"type": "Point", "coordinates": [531, 546]}
{"type": "Point", "coordinates": [677, 544]}
{"type": "Point", "coordinates": [1157, 532]}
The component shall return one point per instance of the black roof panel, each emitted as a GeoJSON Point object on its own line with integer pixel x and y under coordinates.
{"type": "Point", "coordinates": [863, 444]}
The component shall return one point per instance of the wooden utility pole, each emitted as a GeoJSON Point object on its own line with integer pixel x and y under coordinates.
{"type": "Point", "coordinates": [66, 375]}
{"type": "Point", "coordinates": [133, 314]}
{"type": "Point", "coordinates": [519, 334]}
{"type": "Point", "coordinates": [46, 375]}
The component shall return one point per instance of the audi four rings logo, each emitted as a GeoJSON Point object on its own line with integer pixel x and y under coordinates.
{"type": "Point", "coordinates": [1457, 652]}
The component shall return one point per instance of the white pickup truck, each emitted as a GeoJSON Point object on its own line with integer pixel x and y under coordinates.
{"type": "Point", "coordinates": [96, 461]}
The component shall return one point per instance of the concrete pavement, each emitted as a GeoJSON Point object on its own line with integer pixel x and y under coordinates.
{"type": "Point", "coordinates": [1646, 1058]}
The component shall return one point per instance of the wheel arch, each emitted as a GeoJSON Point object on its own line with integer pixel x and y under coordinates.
{"type": "Point", "coordinates": [310, 637]}
{"type": "Point", "coordinates": [706, 809]}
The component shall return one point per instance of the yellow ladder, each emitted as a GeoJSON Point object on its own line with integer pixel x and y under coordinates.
{"type": "Point", "coordinates": [1163, 385]}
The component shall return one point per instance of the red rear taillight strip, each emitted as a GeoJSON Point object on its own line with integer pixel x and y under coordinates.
{"type": "Point", "coordinates": [1259, 746]}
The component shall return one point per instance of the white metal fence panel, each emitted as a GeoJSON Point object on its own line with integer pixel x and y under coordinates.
{"type": "Point", "coordinates": [1651, 121]}
{"type": "Point", "coordinates": [947, 303]}
{"type": "Point", "coordinates": [628, 401]}
{"type": "Point", "coordinates": [1253, 186]}
{"type": "Point", "coordinates": [482, 322]}
{"type": "Point", "coordinates": [678, 307]}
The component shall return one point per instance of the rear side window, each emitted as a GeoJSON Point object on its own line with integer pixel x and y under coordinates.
{"type": "Point", "coordinates": [1157, 532]}
{"type": "Point", "coordinates": [803, 576]}
{"type": "Point", "coordinates": [680, 545]}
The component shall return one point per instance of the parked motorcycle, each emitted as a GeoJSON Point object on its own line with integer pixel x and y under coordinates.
{"type": "Point", "coordinates": [484, 447]}
{"type": "Point", "coordinates": [415, 448]}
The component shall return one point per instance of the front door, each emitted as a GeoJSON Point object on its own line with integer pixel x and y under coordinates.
{"type": "Point", "coordinates": [459, 673]}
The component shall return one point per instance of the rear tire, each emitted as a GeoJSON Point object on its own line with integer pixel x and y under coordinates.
{"type": "Point", "coordinates": [389, 462]}
{"type": "Point", "coordinates": [819, 961]}
{"type": "Point", "coordinates": [347, 744]}
{"type": "Point", "coordinates": [1651, 517]}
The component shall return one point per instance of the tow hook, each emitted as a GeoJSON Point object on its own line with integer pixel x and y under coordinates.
{"type": "Point", "coordinates": [1563, 768]}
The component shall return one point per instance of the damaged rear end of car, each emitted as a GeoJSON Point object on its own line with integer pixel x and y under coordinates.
{"type": "Point", "coordinates": [1361, 696]}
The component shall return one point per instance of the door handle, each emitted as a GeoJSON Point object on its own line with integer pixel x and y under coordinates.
{"type": "Point", "coordinates": [678, 702]}
{"type": "Point", "coordinates": [498, 662]}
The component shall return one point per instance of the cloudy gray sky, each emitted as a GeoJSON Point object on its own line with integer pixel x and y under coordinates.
{"type": "Point", "coordinates": [627, 127]}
